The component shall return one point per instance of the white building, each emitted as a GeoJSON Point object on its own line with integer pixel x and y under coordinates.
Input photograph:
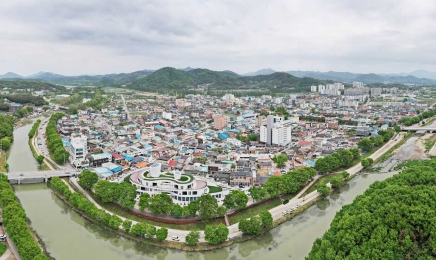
{"type": "Point", "coordinates": [312, 88]}
{"type": "Point", "coordinates": [182, 188]}
{"type": "Point", "coordinates": [278, 100]}
{"type": "Point", "coordinates": [229, 98]}
{"type": "Point", "coordinates": [277, 131]}
{"type": "Point", "coordinates": [78, 149]}
{"type": "Point", "coordinates": [357, 84]}
{"type": "Point", "coordinates": [321, 88]}
{"type": "Point", "coordinates": [167, 116]}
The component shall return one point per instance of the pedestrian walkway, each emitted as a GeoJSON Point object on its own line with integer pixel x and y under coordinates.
{"type": "Point", "coordinates": [6, 255]}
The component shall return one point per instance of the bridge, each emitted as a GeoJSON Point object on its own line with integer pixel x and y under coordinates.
{"type": "Point", "coordinates": [428, 129]}
{"type": "Point", "coordinates": [37, 176]}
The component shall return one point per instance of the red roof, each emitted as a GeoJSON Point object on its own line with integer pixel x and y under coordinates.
{"type": "Point", "coordinates": [304, 143]}
{"type": "Point", "coordinates": [117, 156]}
{"type": "Point", "coordinates": [172, 163]}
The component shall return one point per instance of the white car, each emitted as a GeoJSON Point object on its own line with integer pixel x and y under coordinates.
{"type": "Point", "coordinates": [298, 205]}
{"type": "Point", "coordinates": [284, 213]}
{"type": "Point", "coordinates": [176, 238]}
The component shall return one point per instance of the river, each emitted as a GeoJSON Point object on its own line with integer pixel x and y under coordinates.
{"type": "Point", "coordinates": [67, 235]}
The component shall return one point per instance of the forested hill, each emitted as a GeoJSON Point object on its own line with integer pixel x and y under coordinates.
{"type": "Point", "coordinates": [175, 79]}
{"type": "Point", "coordinates": [393, 219]}
{"type": "Point", "coordinates": [29, 84]}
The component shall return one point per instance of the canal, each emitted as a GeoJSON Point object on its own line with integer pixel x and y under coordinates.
{"type": "Point", "coordinates": [67, 235]}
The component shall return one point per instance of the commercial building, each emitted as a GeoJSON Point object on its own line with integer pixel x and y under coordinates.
{"type": "Point", "coordinates": [277, 131]}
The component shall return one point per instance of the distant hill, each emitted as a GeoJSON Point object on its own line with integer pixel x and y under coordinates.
{"type": "Point", "coordinates": [96, 80]}
{"type": "Point", "coordinates": [29, 84]}
{"type": "Point", "coordinates": [365, 78]}
{"type": "Point", "coordinates": [11, 75]}
{"type": "Point", "coordinates": [171, 78]}
{"type": "Point", "coordinates": [267, 71]}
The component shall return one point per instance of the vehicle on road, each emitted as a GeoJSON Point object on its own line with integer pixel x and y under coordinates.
{"type": "Point", "coordinates": [298, 205]}
{"type": "Point", "coordinates": [285, 202]}
{"type": "Point", "coordinates": [284, 212]}
{"type": "Point", "coordinates": [175, 238]}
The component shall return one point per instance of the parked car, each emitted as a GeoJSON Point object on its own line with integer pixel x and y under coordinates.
{"type": "Point", "coordinates": [285, 202]}
{"type": "Point", "coordinates": [298, 205]}
{"type": "Point", "coordinates": [284, 213]}
{"type": "Point", "coordinates": [175, 238]}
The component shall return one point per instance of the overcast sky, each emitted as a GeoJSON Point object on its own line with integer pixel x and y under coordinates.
{"type": "Point", "coordinates": [75, 37]}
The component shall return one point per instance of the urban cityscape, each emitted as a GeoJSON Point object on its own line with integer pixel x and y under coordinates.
{"type": "Point", "coordinates": [221, 160]}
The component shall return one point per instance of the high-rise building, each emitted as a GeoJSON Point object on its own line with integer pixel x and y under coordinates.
{"type": "Point", "coordinates": [78, 149]}
{"type": "Point", "coordinates": [277, 131]}
{"type": "Point", "coordinates": [376, 91]}
{"type": "Point", "coordinates": [321, 88]}
{"type": "Point", "coordinates": [219, 122]}
{"type": "Point", "coordinates": [357, 84]}
{"type": "Point", "coordinates": [312, 88]}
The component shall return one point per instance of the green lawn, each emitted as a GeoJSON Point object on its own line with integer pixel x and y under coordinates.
{"type": "Point", "coordinates": [3, 248]}
{"type": "Point", "coordinates": [126, 214]}
{"type": "Point", "coordinates": [214, 189]}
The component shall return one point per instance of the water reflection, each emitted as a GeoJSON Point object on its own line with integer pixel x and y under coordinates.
{"type": "Point", "coordinates": [323, 204]}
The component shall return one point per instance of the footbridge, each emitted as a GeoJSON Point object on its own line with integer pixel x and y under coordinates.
{"type": "Point", "coordinates": [37, 176]}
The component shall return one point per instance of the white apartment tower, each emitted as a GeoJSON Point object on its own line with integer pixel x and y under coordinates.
{"type": "Point", "coordinates": [277, 131]}
{"type": "Point", "coordinates": [312, 88]}
{"type": "Point", "coordinates": [78, 150]}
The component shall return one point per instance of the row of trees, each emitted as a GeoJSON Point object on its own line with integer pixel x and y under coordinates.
{"type": "Point", "coordinates": [113, 221]}
{"type": "Point", "coordinates": [339, 159]}
{"type": "Point", "coordinates": [15, 223]}
{"type": "Point", "coordinates": [246, 138]}
{"type": "Point", "coordinates": [408, 121]}
{"type": "Point", "coordinates": [34, 129]}
{"type": "Point", "coordinates": [393, 219]}
{"type": "Point", "coordinates": [366, 144]}
{"type": "Point", "coordinates": [291, 182]}
{"type": "Point", "coordinates": [54, 141]}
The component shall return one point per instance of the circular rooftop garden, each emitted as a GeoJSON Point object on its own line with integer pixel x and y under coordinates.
{"type": "Point", "coordinates": [184, 179]}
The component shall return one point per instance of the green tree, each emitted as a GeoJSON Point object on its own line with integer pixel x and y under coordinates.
{"type": "Point", "coordinates": [87, 179]}
{"type": "Point", "coordinates": [274, 186]}
{"type": "Point", "coordinates": [107, 191]}
{"type": "Point", "coordinates": [280, 159]}
{"type": "Point", "coordinates": [192, 238]}
{"type": "Point", "coordinates": [207, 206]}
{"type": "Point", "coordinates": [216, 235]}
{"type": "Point", "coordinates": [160, 204]}
{"type": "Point", "coordinates": [323, 189]}
{"type": "Point", "coordinates": [251, 226]}
{"type": "Point", "coordinates": [233, 166]}
{"type": "Point", "coordinates": [127, 195]}
{"type": "Point", "coordinates": [266, 218]}
{"type": "Point", "coordinates": [127, 225]}
{"type": "Point", "coordinates": [397, 129]}
{"type": "Point", "coordinates": [252, 137]}
{"type": "Point", "coordinates": [144, 201]}
{"type": "Point", "coordinates": [139, 229]}
{"type": "Point", "coordinates": [236, 199]}
{"type": "Point", "coordinates": [364, 163]}
{"type": "Point", "coordinates": [40, 159]}
{"type": "Point", "coordinates": [221, 211]}
{"type": "Point", "coordinates": [177, 211]}
{"type": "Point", "coordinates": [150, 231]}
{"type": "Point", "coordinates": [6, 143]}
{"type": "Point", "coordinates": [29, 109]}
{"type": "Point", "coordinates": [345, 174]}
{"type": "Point", "coordinates": [336, 181]}
{"type": "Point", "coordinates": [115, 222]}
{"type": "Point", "coordinates": [192, 207]}
{"type": "Point", "coordinates": [162, 234]}
{"type": "Point", "coordinates": [365, 144]}
{"type": "Point", "coordinates": [257, 193]}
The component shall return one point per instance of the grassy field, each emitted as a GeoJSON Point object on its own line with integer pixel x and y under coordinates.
{"type": "Point", "coordinates": [3, 248]}
{"type": "Point", "coordinates": [429, 143]}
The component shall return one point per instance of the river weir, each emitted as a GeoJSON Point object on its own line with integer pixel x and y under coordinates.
{"type": "Point", "coordinates": [67, 235]}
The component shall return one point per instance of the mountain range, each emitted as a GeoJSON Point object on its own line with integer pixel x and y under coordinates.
{"type": "Point", "coordinates": [225, 79]}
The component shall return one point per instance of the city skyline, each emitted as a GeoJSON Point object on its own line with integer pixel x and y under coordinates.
{"type": "Point", "coordinates": [77, 38]}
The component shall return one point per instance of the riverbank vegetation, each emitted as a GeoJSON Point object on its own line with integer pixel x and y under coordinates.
{"type": "Point", "coordinates": [408, 121]}
{"type": "Point", "coordinates": [54, 141]}
{"type": "Point", "coordinates": [34, 129]}
{"type": "Point", "coordinates": [393, 219]}
{"type": "Point", "coordinates": [15, 223]}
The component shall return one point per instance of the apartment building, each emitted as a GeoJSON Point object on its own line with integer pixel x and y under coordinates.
{"type": "Point", "coordinates": [219, 122]}
{"type": "Point", "coordinates": [277, 131]}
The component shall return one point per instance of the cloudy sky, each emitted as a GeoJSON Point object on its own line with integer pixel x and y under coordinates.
{"type": "Point", "coordinates": [75, 37]}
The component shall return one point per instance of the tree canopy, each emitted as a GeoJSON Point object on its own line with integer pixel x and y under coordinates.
{"type": "Point", "coordinates": [393, 219]}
